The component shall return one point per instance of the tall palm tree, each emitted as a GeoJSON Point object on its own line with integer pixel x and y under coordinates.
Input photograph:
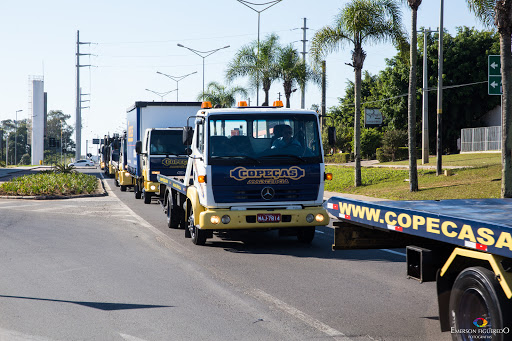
{"type": "Point", "coordinates": [260, 70]}
{"type": "Point", "coordinates": [498, 13]}
{"type": "Point", "coordinates": [219, 94]}
{"type": "Point", "coordinates": [293, 71]}
{"type": "Point", "coordinates": [411, 111]}
{"type": "Point", "coordinates": [358, 23]}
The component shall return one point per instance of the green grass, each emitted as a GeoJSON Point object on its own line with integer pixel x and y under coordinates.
{"type": "Point", "coordinates": [467, 160]}
{"type": "Point", "coordinates": [50, 183]}
{"type": "Point", "coordinates": [467, 183]}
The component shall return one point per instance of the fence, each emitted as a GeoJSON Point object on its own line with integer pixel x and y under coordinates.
{"type": "Point", "coordinates": [481, 139]}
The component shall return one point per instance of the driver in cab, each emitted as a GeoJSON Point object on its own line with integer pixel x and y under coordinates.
{"type": "Point", "coordinates": [287, 140]}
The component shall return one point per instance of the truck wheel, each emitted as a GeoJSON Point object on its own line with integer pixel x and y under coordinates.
{"type": "Point", "coordinates": [147, 196]}
{"type": "Point", "coordinates": [138, 194]}
{"type": "Point", "coordinates": [123, 188]}
{"type": "Point", "coordinates": [306, 234]}
{"type": "Point", "coordinates": [173, 215]}
{"type": "Point", "coordinates": [116, 182]}
{"type": "Point", "coordinates": [477, 299]}
{"type": "Point", "coordinates": [198, 236]}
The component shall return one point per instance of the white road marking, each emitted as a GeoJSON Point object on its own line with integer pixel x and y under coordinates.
{"type": "Point", "coordinates": [131, 338]}
{"type": "Point", "coordinates": [12, 335]}
{"type": "Point", "coordinates": [320, 326]}
{"type": "Point", "coordinates": [394, 252]}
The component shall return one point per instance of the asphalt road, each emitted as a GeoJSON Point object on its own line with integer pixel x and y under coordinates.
{"type": "Point", "coordinates": [108, 268]}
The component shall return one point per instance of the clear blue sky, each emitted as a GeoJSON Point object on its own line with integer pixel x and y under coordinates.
{"type": "Point", "coordinates": [135, 39]}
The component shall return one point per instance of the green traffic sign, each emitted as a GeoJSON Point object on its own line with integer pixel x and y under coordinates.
{"type": "Point", "coordinates": [494, 75]}
{"type": "Point", "coordinates": [494, 65]}
{"type": "Point", "coordinates": [495, 87]}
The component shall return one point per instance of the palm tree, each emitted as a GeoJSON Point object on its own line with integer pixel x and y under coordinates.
{"type": "Point", "coordinates": [411, 112]}
{"type": "Point", "coordinates": [260, 70]}
{"type": "Point", "coordinates": [219, 94]}
{"type": "Point", "coordinates": [293, 71]}
{"type": "Point", "coordinates": [499, 13]}
{"type": "Point", "coordinates": [359, 22]}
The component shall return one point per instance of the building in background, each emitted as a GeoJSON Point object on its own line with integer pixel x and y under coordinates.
{"type": "Point", "coordinates": [37, 108]}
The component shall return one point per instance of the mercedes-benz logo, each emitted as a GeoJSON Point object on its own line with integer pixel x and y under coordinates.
{"type": "Point", "coordinates": [267, 193]}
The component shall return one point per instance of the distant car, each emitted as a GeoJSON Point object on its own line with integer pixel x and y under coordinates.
{"type": "Point", "coordinates": [82, 163]}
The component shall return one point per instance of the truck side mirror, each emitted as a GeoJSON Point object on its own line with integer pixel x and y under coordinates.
{"type": "Point", "coordinates": [138, 147]}
{"type": "Point", "coordinates": [331, 135]}
{"type": "Point", "coordinates": [188, 133]}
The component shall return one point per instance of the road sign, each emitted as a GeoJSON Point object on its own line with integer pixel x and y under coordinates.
{"type": "Point", "coordinates": [494, 75]}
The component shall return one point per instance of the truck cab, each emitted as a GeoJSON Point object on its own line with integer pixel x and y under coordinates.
{"type": "Point", "coordinates": [162, 152]}
{"type": "Point", "coordinates": [250, 168]}
{"type": "Point", "coordinates": [123, 177]}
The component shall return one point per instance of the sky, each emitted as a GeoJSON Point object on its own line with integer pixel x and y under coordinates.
{"type": "Point", "coordinates": [133, 40]}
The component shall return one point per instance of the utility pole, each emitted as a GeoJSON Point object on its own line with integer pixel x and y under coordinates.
{"type": "Point", "coordinates": [439, 165]}
{"type": "Point", "coordinates": [303, 86]}
{"type": "Point", "coordinates": [324, 83]}
{"type": "Point", "coordinates": [78, 151]}
{"type": "Point", "coordinates": [279, 94]}
{"type": "Point", "coordinates": [424, 135]}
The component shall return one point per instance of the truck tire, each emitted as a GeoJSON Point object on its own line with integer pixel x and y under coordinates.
{"type": "Point", "coordinates": [198, 236]}
{"type": "Point", "coordinates": [147, 196]}
{"type": "Point", "coordinates": [477, 298]}
{"type": "Point", "coordinates": [174, 216]}
{"type": "Point", "coordinates": [123, 188]}
{"type": "Point", "coordinates": [138, 194]}
{"type": "Point", "coordinates": [116, 182]}
{"type": "Point", "coordinates": [306, 234]}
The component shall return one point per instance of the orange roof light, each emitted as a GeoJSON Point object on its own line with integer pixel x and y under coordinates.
{"type": "Point", "coordinates": [278, 104]}
{"type": "Point", "coordinates": [206, 105]}
{"type": "Point", "coordinates": [242, 103]}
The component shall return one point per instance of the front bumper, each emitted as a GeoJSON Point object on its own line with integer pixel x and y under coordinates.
{"type": "Point", "coordinates": [150, 186]}
{"type": "Point", "coordinates": [246, 219]}
{"type": "Point", "coordinates": [125, 179]}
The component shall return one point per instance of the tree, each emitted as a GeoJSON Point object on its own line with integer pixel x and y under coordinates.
{"type": "Point", "coordinates": [293, 71]}
{"type": "Point", "coordinates": [219, 94]}
{"type": "Point", "coordinates": [499, 14]}
{"type": "Point", "coordinates": [358, 23]}
{"type": "Point", "coordinates": [260, 69]}
{"type": "Point", "coordinates": [411, 112]}
{"type": "Point", "coordinates": [57, 128]}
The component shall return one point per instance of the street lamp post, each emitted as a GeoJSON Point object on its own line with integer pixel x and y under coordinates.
{"type": "Point", "coordinates": [161, 94]}
{"type": "Point", "coordinates": [176, 79]}
{"type": "Point", "coordinates": [268, 5]}
{"type": "Point", "coordinates": [203, 54]}
{"type": "Point", "coordinates": [16, 136]}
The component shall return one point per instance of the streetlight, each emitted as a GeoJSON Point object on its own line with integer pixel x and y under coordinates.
{"type": "Point", "coordinates": [176, 79]}
{"type": "Point", "coordinates": [205, 53]}
{"type": "Point", "coordinates": [268, 5]}
{"type": "Point", "coordinates": [161, 94]}
{"type": "Point", "coordinates": [16, 136]}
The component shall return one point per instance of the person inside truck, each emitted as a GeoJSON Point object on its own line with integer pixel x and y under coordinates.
{"type": "Point", "coordinates": [157, 147]}
{"type": "Point", "coordinates": [287, 140]}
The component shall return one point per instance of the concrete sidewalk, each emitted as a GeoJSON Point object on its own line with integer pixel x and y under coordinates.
{"type": "Point", "coordinates": [8, 171]}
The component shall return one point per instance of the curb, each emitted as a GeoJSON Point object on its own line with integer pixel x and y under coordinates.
{"type": "Point", "coordinates": [100, 192]}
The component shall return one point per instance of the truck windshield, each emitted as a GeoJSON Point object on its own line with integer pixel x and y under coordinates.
{"type": "Point", "coordinates": [167, 142]}
{"type": "Point", "coordinates": [264, 139]}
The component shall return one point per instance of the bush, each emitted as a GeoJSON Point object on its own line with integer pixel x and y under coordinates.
{"type": "Point", "coordinates": [401, 153]}
{"type": "Point", "coordinates": [371, 139]}
{"type": "Point", "coordinates": [392, 140]}
{"type": "Point", "coordinates": [50, 183]}
{"type": "Point", "coordinates": [338, 158]}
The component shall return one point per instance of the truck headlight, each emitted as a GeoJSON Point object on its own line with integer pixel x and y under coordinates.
{"type": "Point", "coordinates": [215, 219]}
{"type": "Point", "coordinates": [225, 219]}
{"type": "Point", "coordinates": [319, 217]}
{"type": "Point", "coordinates": [152, 187]}
{"type": "Point", "coordinates": [310, 218]}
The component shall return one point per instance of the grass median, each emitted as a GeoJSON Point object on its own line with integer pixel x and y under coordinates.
{"type": "Point", "coordinates": [482, 179]}
{"type": "Point", "coordinates": [50, 184]}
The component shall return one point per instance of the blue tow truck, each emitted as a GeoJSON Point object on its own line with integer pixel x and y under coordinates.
{"type": "Point", "coordinates": [463, 245]}
{"type": "Point", "coordinates": [249, 168]}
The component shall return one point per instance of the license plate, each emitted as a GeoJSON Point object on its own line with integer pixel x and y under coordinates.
{"type": "Point", "coordinates": [269, 217]}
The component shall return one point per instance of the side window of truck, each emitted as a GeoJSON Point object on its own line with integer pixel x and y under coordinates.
{"type": "Point", "coordinates": [200, 138]}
